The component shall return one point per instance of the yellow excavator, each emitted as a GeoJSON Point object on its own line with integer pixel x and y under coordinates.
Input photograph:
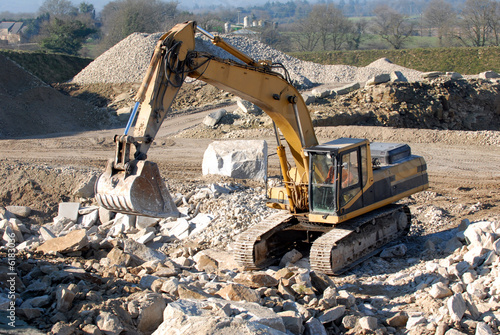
{"type": "Point", "coordinates": [338, 200]}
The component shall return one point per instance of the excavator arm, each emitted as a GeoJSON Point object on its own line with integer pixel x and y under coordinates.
{"type": "Point", "coordinates": [129, 178]}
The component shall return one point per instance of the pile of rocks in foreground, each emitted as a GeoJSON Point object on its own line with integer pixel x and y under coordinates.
{"type": "Point", "coordinates": [88, 273]}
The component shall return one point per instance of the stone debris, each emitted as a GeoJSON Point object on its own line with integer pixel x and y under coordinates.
{"type": "Point", "coordinates": [159, 276]}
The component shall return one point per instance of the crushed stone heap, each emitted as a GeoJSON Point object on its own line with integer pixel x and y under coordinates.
{"type": "Point", "coordinates": [128, 60]}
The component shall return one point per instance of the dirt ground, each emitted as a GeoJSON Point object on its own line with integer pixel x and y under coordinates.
{"type": "Point", "coordinates": [43, 171]}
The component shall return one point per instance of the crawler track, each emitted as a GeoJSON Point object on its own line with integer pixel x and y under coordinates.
{"type": "Point", "coordinates": [337, 249]}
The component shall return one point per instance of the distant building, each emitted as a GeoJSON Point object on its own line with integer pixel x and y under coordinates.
{"type": "Point", "coordinates": [11, 32]}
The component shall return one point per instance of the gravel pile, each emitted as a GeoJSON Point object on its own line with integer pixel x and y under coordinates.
{"type": "Point", "coordinates": [128, 60]}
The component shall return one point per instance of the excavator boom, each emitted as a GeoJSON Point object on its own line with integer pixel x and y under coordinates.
{"type": "Point", "coordinates": [173, 60]}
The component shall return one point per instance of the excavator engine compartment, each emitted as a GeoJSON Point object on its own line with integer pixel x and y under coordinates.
{"type": "Point", "coordinates": [389, 153]}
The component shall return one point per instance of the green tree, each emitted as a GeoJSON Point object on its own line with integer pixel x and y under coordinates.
{"type": "Point", "coordinates": [65, 36]}
{"type": "Point", "coordinates": [87, 9]}
{"type": "Point", "coordinates": [392, 26]}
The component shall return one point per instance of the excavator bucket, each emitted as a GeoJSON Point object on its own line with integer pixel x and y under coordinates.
{"type": "Point", "coordinates": [137, 190]}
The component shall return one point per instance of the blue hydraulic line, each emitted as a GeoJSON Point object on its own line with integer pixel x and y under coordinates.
{"type": "Point", "coordinates": [131, 118]}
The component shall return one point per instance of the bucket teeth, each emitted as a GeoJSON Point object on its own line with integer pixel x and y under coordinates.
{"type": "Point", "coordinates": [140, 192]}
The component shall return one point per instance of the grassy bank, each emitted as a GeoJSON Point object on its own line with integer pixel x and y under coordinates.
{"type": "Point", "coordinates": [51, 68]}
{"type": "Point", "coordinates": [461, 60]}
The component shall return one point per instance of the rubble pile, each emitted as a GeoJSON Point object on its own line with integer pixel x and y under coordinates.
{"type": "Point", "coordinates": [438, 103]}
{"type": "Point", "coordinates": [89, 272]}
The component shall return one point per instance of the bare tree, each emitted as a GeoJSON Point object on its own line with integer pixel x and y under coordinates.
{"type": "Point", "coordinates": [476, 24]}
{"type": "Point", "coordinates": [308, 34]}
{"type": "Point", "coordinates": [440, 14]}
{"type": "Point", "coordinates": [120, 18]}
{"type": "Point", "coordinates": [392, 26]}
{"type": "Point", "coordinates": [495, 23]}
{"type": "Point", "coordinates": [58, 8]}
{"type": "Point", "coordinates": [333, 26]}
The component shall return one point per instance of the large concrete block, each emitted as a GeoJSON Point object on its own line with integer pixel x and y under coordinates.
{"type": "Point", "coordinates": [236, 159]}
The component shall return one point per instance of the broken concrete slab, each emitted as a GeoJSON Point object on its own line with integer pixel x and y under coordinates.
{"type": "Point", "coordinates": [69, 210]}
{"type": "Point", "coordinates": [236, 159]}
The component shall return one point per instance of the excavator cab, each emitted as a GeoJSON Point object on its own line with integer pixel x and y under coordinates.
{"type": "Point", "coordinates": [338, 171]}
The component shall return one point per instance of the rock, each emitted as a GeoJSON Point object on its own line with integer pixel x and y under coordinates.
{"type": "Point", "coordinates": [217, 316]}
{"type": "Point", "coordinates": [75, 240]}
{"type": "Point", "coordinates": [398, 320]}
{"type": "Point", "coordinates": [398, 77]}
{"type": "Point", "coordinates": [147, 237]}
{"type": "Point", "coordinates": [346, 298]}
{"type": "Point", "coordinates": [141, 253]}
{"type": "Point", "coordinates": [482, 328]}
{"type": "Point", "coordinates": [347, 88]}
{"type": "Point", "coordinates": [22, 211]}
{"type": "Point", "coordinates": [118, 257]}
{"type": "Point", "coordinates": [255, 279]}
{"type": "Point", "coordinates": [378, 79]}
{"type": "Point", "coordinates": [321, 92]}
{"type": "Point", "coordinates": [454, 75]}
{"type": "Point", "coordinates": [452, 245]}
{"type": "Point", "coordinates": [180, 229]}
{"type": "Point", "coordinates": [314, 327]}
{"type": "Point", "coordinates": [207, 264]}
{"type": "Point", "coordinates": [349, 321]}
{"type": "Point", "coordinates": [148, 308]}
{"type": "Point", "coordinates": [46, 233]}
{"type": "Point", "coordinates": [69, 210]}
{"type": "Point", "coordinates": [171, 287]}
{"type": "Point", "coordinates": [201, 222]}
{"type": "Point", "coordinates": [91, 330]}
{"type": "Point", "coordinates": [147, 281]}
{"type": "Point", "coordinates": [321, 281]}
{"type": "Point", "coordinates": [109, 324]}
{"type": "Point", "coordinates": [293, 321]}
{"type": "Point", "coordinates": [190, 292]}
{"type": "Point", "coordinates": [454, 332]}
{"type": "Point", "coordinates": [64, 297]}
{"type": "Point", "coordinates": [489, 75]}
{"type": "Point", "coordinates": [415, 320]}
{"type": "Point", "coordinates": [475, 255]}
{"type": "Point", "coordinates": [290, 257]}
{"type": "Point", "coordinates": [395, 251]}
{"type": "Point", "coordinates": [236, 159]}
{"type": "Point", "coordinates": [86, 187]}
{"type": "Point", "coordinates": [332, 314]}
{"type": "Point", "coordinates": [238, 292]}
{"type": "Point", "coordinates": [105, 215]}
{"type": "Point", "coordinates": [248, 107]}
{"type": "Point", "coordinates": [440, 290]}
{"type": "Point", "coordinates": [62, 328]}
{"type": "Point", "coordinates": [143, 222]}
{"type": "Point", "coordinates": [368, 322]}
{"type": "Point", "coordinates": [213, 118]}
{"type": "Point", "coordinates": [90, 219]}
{"type": "Point", "coordinates": [308, 98]}
{"type": "Point", "coordinates": [456, 307]}
{"type": "Point", "coordinates": [432, 74]}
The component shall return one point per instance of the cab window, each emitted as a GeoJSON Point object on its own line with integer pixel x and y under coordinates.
{"type": "Point", "coordinates": [350, 184]}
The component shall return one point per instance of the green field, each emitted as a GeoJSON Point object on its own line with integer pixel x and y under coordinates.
{"type": "Point", "coordinates": [461, 60]}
